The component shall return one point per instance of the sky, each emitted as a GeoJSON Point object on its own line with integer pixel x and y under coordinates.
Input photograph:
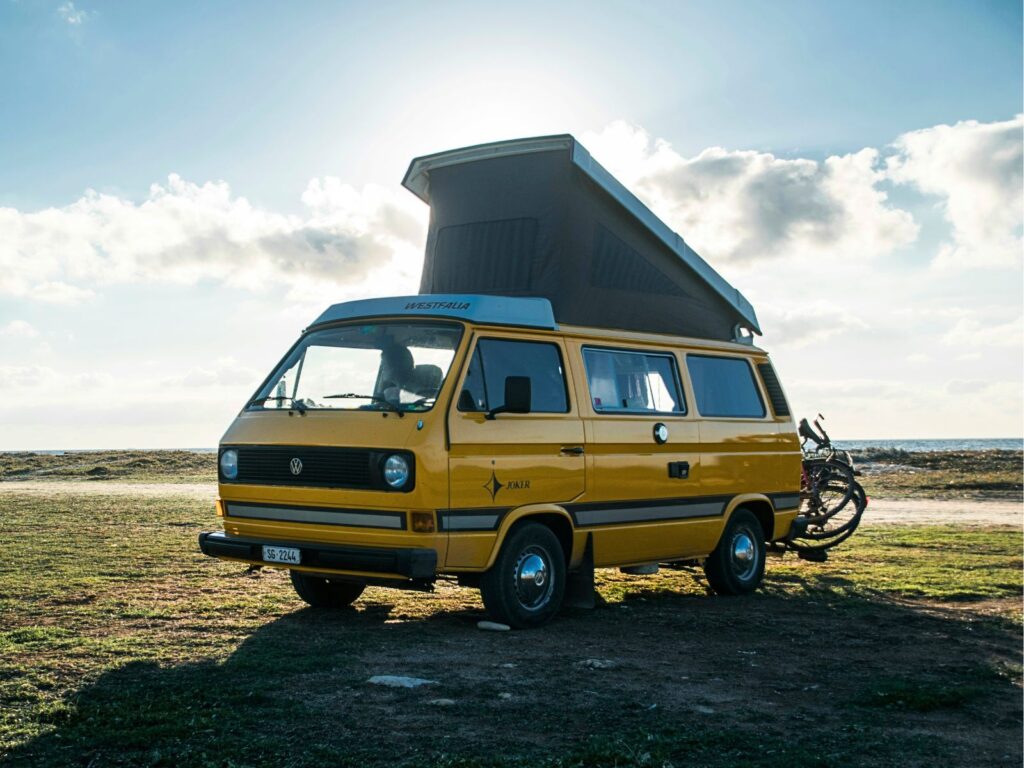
{"type": "Point", "coordinates": [185, 186]}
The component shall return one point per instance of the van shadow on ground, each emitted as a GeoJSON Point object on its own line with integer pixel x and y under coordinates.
{"type": "Point", "coordinates": [813, 679]}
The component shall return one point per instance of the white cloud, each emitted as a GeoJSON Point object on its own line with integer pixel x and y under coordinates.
{"type": "Point", "coordinates": [976, 171]}
{"type": "Point", "coordinates": [805, 324]}
{"type": "Point", "coordinates": [898, 349]}
{"type": "Point", "coordinates": [57, 293]}
{"type": "Point", "coordinates": [966, 386]}
{"type": "Point", "coordinates": [185, 232]}
{"type": "Point", "coordinates": [14, 377]}
{"type": "Point", "coordinates": [746, 206]}
{"type": "Point", "coordinates": [35, 379]}
{"type": "Point", "coordinates": [973, 331]}
{"type": "Point", "coordinates": [72, 15]}
{"type": "Point", "coordinates": [866, 408]}
{"type": "Point", "coordinates": [19, 329]}
{"type": "Point", "coordinates": [226, 371]}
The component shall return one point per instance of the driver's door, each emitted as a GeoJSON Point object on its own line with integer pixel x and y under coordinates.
{"type": "Point", "coordinates": [514, 459]}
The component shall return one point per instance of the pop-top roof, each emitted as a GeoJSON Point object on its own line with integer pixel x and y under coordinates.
{"type": "Point", "coordinates": [610, 255]}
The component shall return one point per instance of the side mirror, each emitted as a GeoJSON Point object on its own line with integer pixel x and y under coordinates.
{"type": "Point", "coordinates": [518, 396]}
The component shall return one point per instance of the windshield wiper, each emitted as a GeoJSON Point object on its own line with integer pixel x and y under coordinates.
{"type": "Point", "coordinates": [298, 405]}
{"type": "Point", "coordinates": [374, 398]}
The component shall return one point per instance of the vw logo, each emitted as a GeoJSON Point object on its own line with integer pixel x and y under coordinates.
{"type": "Point", "coordinates": [296, 466]}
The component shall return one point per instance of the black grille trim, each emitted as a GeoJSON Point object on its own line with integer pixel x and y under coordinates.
{"type": "Point", "coordinates": [322, 467]}
{"type": "Point", "coordinates": [774, 389]}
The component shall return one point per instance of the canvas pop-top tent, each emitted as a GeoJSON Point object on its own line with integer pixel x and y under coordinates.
{"type": "Point", "coordinates": [540, 217]}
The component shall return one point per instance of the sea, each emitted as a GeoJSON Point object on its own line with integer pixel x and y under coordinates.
{"type": "Point", "coordinates": [960, 444]}
{"type": "Point", "coordinates": [974, 444]}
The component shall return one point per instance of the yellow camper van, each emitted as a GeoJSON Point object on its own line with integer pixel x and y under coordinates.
{"type": "Point", "coordinates": [572, 388]}
{"type": "Point", "coordinates": [403, 440]}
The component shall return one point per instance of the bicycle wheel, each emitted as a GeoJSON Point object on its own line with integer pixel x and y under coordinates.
{"type": "Point", "coordinates": [826, 533]}
{"type": "Point", "coordinates": [829, 487]}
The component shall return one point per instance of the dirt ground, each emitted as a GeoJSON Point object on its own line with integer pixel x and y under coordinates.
{"type": "Point", "coordinates": [121, 645]}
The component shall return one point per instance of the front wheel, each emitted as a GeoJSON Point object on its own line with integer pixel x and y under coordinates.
{"type": "Point", "coordinates": [736, 567]}
{"type": "Point", "coordinates": [326, 593]}
{"type": "Point", "coordinates": [525, 586]}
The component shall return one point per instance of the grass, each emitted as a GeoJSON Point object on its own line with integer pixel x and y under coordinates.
{"type": "Point", "coordinates": [937, 562]}
{"type": "Point", "coordinates": [121, 645]}
{"type": "Point", "coordinates": [141, 466]}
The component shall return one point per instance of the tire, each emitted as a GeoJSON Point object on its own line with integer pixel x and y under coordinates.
{"type": "Point", "coordinates": [326, 593]}
{"type": "Point", "coordinates": [811, 541]}
{"type": "Point", "coordinates": [830, 487]}
{"type": "Point", "coordinates": [736, 567]}
{"type": "Point", "coordinates": [525, 586]}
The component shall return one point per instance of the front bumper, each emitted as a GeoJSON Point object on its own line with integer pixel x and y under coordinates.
{"type": "Point", "coordinates": [410, 562]}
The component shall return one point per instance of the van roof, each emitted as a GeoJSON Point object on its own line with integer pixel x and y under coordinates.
{"type": "Point", "coordinates": [509, 311]}
{"type": "Point", "coordinates": [485, 310]}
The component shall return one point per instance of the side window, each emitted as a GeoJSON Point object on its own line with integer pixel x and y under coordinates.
{"type": "Point", "coordinates": [633, 381]}
{"type": "Point", "coordinates": [496, 359]}
{"type": "Point", "coordinates": [774, 389]}
{"type": "Point", "coordinates": [724, 386]}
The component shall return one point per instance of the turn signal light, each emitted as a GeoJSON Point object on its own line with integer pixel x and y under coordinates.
{"type": "Point", "coordinates": [220, 508]}
{"type": "Point", "coordinates": [423, 522]}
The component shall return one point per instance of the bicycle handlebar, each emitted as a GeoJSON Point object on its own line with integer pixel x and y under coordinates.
{"type": "Point", "coordinates": [824, 434]}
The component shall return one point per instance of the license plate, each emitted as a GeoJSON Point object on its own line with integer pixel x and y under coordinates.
{"type": "Point", "coordinates": [281, 555]}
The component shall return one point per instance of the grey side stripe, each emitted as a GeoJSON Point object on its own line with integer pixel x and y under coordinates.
{"type": "Point", "coordinates": [470, 522]}
{"type": "Point", "coordinates": [637, 514]}
{"type": "Point", "coordinates": [351, 517]}
{"type": "Point", "coordinates": [785, 500]}
{"type": "Point", "coordinates": [470, 519]}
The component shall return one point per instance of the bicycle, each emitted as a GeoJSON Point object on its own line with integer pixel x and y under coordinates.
{"type": "Point", "coordinates": [832, 501]}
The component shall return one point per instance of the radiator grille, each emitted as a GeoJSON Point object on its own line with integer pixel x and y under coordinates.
{"type": "Point", "coordinates": [321, 467]}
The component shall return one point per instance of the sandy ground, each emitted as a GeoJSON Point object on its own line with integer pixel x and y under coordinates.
{"type": "Point", "coordinates": [931, 512]}
{"type": "Point", "coordinates": [110, 488]}
{"type": "Point", "coordinates": [879, 512]}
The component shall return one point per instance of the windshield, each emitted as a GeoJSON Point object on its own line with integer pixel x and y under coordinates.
{"type": "Point", "coordinates": [381, 366]}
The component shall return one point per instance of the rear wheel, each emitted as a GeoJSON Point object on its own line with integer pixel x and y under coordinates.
{"type": "Point", "coordinates": [320, 592]}
{"type": "Point", "coordinates": [525, 586]}
{"type": "Point", "coordinates": [736, 567]}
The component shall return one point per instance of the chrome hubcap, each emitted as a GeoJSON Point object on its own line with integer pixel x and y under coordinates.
{"type": "Point", "coordinates": [744, 555]}
{"type": "Point", "coordinates": [532, 578]}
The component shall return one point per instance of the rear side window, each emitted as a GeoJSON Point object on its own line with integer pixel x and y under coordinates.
{"type": "Point", "coordinates": [630, 382]}
{"type": "Point", "coordinates": [724, 386]}
{"type": "Point", "coordinates": [496, 359]}
{"type": "Point", "coordinates": [774, 389]}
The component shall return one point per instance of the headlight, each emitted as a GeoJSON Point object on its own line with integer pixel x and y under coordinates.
{"type": "Point", "coordinates": [396, 471]}
{"type": "Point", "coordinates": [229, 464]}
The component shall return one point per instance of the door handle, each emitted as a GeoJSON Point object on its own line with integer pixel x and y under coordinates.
{"type": "Point", "coordinates": [572, 450]}
{"type": "Point", "coordinates": [680, 470]}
